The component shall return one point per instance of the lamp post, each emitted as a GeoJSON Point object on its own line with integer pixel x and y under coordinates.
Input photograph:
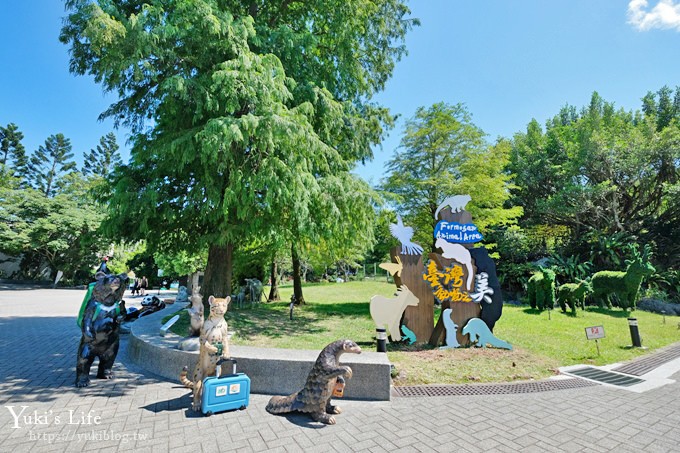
{"type": "Point", "coordinates": [634, 332]}
{"type": "Point", "coordinates": [381, 336]}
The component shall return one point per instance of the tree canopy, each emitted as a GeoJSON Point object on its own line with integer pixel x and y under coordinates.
{"type": "Point", "coordinates": [52, 233]}
{"type": "Point", "coordinates": [248, 115]}
{"type": "Point", "coordinates": [443, 153]}
{"type": "Point", "coordinates": [605, 174]}
{"type": "Point", "coordinates": [12, 151]}
{"type": "Point", "coordinates": [50, 164]}
{"type": "Point", "coordinates": [48, 216]}
{"type": "Point", "coordinates": [103, 159]}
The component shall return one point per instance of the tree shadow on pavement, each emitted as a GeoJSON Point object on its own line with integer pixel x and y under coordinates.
{"type": "Point", "coordinates": [38, 362]}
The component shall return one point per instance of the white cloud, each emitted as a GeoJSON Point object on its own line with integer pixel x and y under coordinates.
{"type": "Point", "coordinates": [666, 14]}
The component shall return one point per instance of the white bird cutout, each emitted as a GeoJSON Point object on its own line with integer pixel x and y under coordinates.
{"type": "Point", "coordinates": [404, 234]}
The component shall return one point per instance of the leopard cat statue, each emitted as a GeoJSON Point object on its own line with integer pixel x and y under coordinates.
{"type": "Point", "coordinates": [214, 344]}
{"type": "Point", "coordinates": [315, 397]}
{"type": "Point", "coordinates": [100, 327]}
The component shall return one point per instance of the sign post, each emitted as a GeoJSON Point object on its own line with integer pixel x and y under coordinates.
{"type": "Point", "coordinates": [595, 333]}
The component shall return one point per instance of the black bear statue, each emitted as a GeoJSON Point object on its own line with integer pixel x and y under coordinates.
{"type": "Point", "coordinates": [100, 327]}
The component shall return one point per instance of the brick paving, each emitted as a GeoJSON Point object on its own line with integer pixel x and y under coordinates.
{"type": "Point", "coordinates": [647, 364]}
{"type": "Point", "coordinates": [142, 413]}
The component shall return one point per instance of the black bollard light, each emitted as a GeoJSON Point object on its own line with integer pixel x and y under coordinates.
{"type": "Point", "coordinates": [292, 305]}
{"type": "Point", "coordinates": [381, 335]}
{"type": "Point", "coordinates": [634, 332]}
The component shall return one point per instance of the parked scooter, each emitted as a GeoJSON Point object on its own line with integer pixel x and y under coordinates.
{"type": "Point", "coordinates": [150, 304]}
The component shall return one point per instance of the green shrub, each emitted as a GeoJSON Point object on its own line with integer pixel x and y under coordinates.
{"type": "Point", "coordinates": [571, 268]}
{"type": "Point", "coordinates": [573, 294]}
{"type": "Point", "coordinates": [541, 289]}
{"type": "Point", "coordinates": [665, 283]}
{"type": "Point", "coordinates": [625, 285]}
{"type": "Point", "coordinates": [513, 277]}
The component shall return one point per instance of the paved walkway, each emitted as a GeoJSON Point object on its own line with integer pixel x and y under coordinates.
{"type": "Point", "coordinates": [138, 412]}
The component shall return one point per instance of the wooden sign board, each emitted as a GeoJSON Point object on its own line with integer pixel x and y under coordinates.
{"type": "Point", "coordinates": [419, 319]}
{"type": "Point", "coordinates": [461, 312]}
{"type": "Point", "coordinates": [595, 332]}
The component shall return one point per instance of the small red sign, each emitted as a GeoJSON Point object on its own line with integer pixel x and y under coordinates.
{"type": "Point", "coordinates": [595, 332]}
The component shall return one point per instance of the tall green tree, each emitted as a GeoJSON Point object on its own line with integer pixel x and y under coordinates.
{"type": "Point", "coordinates": [536, 165]}
{"type": "Point", "coordinates": [384, 241]}
{"type": "Point", "coordinates": [101, 161]}
{"type": "Point", "coordinates": [662, 106]}
{"type": "Point", "coordinates": [485, 179]}
{"type": "Point", "coordinates": [607, 175]}
{"type": "Point", "coordinates": [443, 153]}
{"type": "Point", "coordinates": [179, 264]}
{"type": "Point", "coordinates": [12, 151]}
{"type": "Point", "coordinates": [341, 218]}
{"type": "Point", "coordinates": [50, 164]}
{"type": "Point", "coordinates": [52, 233]}
{"type": "Point", "coordinates": [257, 109]}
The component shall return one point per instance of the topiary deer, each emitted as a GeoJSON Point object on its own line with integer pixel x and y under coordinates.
{"type": "Point", "coordinates": [541, 289]}
{"type": "Point", "coordinates": [573, 295]}
{"type": "Point", "coordinates": [625, 285]}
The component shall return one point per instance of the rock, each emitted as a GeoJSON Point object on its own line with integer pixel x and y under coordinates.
{"type": "Point", "coordinates": [189, 344]}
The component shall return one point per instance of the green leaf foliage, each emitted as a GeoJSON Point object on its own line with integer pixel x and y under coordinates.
{"type": "Point", "coordinates": [443, 153]}
{"type": "Point", "coordinates": [12, 151]}
{"type": "Point", "coordinates": [57, 233]}
{"type": "Point", "coordinates": [180, 264]}
{"type": "Point", "coordinates": [248, 116]}
{"type": "Point", "coordinates": [50, 164]}
{"type": "Point", "coordinates": [610, 176]}
{"type": "Point", "coordinates": [101, 160]}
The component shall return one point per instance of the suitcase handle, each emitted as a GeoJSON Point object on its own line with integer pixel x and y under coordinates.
{"type": "Point", "coordinates": [218, 369]}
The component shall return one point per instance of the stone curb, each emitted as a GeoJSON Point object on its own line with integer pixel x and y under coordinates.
{"type": "Point", "coordinates": [272, 371]}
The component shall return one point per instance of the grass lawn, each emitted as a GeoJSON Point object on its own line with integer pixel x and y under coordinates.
{"type": "Point", "coordinates": [541, 345]}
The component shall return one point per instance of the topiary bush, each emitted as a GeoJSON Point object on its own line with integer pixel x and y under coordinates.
{"type": "Point", "coordinates": [625, 285]}
{"type": "Point", "coordinates": [573, 294]}
{"type": "Point", "coordinates": [541, 289]}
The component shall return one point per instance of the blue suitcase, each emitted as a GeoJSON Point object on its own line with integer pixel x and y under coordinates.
{"type": "Point", "coordinates": [225, 393]}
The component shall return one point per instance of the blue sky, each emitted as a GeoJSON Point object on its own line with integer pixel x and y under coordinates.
{"type": "Point", "coordinates": [508, 61]}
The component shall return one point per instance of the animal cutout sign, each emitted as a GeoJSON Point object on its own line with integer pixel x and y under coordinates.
{"type": "Point", "coordinates": [409, 336]}
{"type": "Point", "coordinates": [393, 268]}
{"type": "Point", "coordinates": [451, 329]}
{"type": "Point", "coordinates": [404, 234]}
{"type": "Point", "coordinates": [481, 336]}
{"type": "Point", "coordinates": [461, 277]}
{"type": "Point", "coordinates": [457, 203]}
{"type": "Point", "coordinates": [386, 312]}
{"type": "Point", "coordinates": [458, 275]}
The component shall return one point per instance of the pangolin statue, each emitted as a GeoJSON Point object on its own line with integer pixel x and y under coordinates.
{"type": "Point", "coordinates": [315, 397]}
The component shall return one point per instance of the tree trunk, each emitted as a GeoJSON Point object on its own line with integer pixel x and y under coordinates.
{"type": "Point", "coordinates": [218, 272]}
{"type": "Point", "coordinates": [192, 282]}
{"type": "Point", "coordinates": [297, 278]}
{"type": "Point", "coordinates": [274, 291]}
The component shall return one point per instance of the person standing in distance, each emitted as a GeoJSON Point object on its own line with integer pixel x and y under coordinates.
{"type": "Point", "coordinates": [144, 285]}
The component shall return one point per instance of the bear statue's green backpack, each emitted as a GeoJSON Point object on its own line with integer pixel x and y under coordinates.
{"type": "Point", "coordinates": [81, 313]}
